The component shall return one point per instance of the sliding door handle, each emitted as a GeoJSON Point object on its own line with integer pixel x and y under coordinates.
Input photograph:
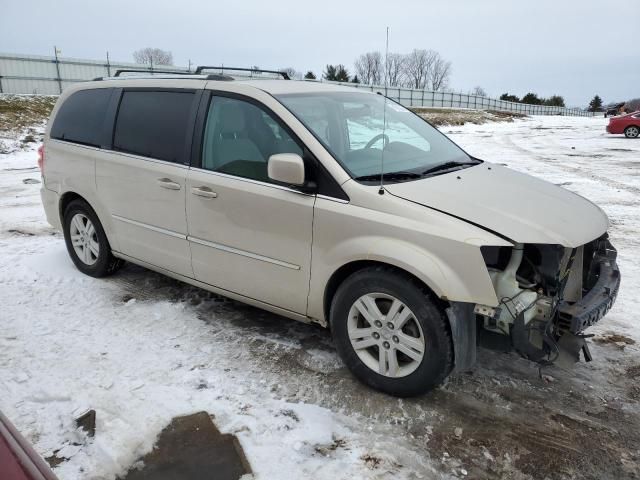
{"type": "Point", "coordinates": [205, 192]}
{"type": "Point", "coordinates": [168, 183]}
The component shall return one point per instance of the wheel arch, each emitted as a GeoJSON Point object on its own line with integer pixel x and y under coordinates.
{"type": "Point", "coordinates": [69, 196]}
{"type": "Point", "coordinates": [65, 199]}
{"type": "Point", "coordinates": [341, 274]}
{"type": "Point", "coordinates": [630, 126]}
{"type": "Point", "coordinates": [460, 317]}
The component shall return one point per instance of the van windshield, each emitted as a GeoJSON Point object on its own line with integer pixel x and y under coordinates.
{"type": "Point", "coordinates": [350, 126]}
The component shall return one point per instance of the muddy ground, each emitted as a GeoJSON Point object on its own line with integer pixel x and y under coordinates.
{"type": "Point", "coordinates": [505, 419]}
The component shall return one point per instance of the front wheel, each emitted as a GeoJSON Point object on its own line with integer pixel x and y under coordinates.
{"type": "Point", "coordinates": [86, 241]}
{"type": "Point", "coordinates": [390, 333]}
{"type": "Point", "coordinates": [632, 131]}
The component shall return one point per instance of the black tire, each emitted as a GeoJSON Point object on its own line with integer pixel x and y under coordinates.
{"type": "Point", "coordinates": [437, 361]}
{"type": "Point", "coordinates": [105, 263]}
{"type": "Point", "coordinates": [632, 131]}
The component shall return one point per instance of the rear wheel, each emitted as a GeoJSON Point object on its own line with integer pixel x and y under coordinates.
{"type": "Point", "coordinates": [632, 131]}
{"type": "Point", "coordinates": [390, 333]}
{"type": "Point", "coordinates": [86, 241]}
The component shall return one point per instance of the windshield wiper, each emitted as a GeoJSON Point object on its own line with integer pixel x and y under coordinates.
{"type": "Point", "coordinates": [448, 166]}
{"type": "Point", "coordinates": [390, 176]}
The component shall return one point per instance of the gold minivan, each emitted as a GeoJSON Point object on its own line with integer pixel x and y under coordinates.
{"type": "Point", "coordinates": [327, 204]}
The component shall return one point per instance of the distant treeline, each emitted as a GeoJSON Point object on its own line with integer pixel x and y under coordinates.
{"type": "Point", "coordinates": [533, 99]}
{"type": "Point", "coordinates": [419, 69]}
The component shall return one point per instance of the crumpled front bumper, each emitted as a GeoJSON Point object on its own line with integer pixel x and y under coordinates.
{"type": "Point", "coordinates": [576, 317]}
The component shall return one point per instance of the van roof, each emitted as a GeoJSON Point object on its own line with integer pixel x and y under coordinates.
{"type": "Point", "coordinates": [272, 86]}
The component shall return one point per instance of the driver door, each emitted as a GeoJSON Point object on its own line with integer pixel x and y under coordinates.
{"type": "Point", "coordinates": [247, 234]}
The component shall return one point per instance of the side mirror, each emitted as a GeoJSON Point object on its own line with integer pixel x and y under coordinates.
{"type": "Point", "coordinates": [287, 168]}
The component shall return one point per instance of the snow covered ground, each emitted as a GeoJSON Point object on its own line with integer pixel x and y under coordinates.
{"type": "Point", "coordinates": [140, 349]}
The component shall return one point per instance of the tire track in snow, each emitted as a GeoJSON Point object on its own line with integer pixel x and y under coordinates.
{"type": "Point", "coordinates": [546, 160]}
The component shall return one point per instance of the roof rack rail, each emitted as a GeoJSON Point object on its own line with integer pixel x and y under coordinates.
{"type": "Point", "coordinates": [188, 76]}
{"type": "Point", "coordinates": [200, 68]}
{"type": "Point", "coordinates": [128, 70]}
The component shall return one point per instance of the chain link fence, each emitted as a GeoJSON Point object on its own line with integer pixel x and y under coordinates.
{"type": "Point", "coordinates": [430, 99]}
{"type": "Point", "coordinates": [46, 75]}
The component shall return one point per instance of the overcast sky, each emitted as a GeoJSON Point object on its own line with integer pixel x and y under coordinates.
{"type": "Point", "coordinates": [574, 48]}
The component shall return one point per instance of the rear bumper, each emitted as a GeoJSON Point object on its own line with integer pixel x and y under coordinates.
{"type": "Point", "coordinates": [597, 301]}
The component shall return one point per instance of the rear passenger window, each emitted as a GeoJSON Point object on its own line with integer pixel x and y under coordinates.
{"type": "Point", "coordinates": [153, 124]}
{"type": "Point", "coordinates": [240, 137]}
{"type": "Point", "coordinates": [81, 117]}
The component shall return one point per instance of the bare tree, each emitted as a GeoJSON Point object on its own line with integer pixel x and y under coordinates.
{"type": "Point", "coordinates": [292, 73]}
{"type": "Point", "coordinates": [369, 68]}
{"type": "Point", "coordinates": [418, 67]}
{"type": "Point", "coordinates": [479, 91]}
{"type": "Point", "coordinates": [633, 104]}
{"type": "Point", "coordinates": [395, 68]}
{"type": "Point", "coordinates": [153, 56]}
{"type": "Point", "coordinates": [440, 73]}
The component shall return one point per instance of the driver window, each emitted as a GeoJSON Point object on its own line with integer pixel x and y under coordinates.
{"type": "Point", "coordinates": [240, 137]}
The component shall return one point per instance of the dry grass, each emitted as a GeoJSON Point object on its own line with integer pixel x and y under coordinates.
{"type": "Point", "coordinates": [21, 111]}
{"type": "Point", "coordinates": [22, 120]}
{"type": "Point", "coordinates": [451, 116]}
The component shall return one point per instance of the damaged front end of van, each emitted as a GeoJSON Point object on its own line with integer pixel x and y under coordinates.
{"type": "Point", "coordinates": [548, 295]}
{"type": "Point", "coordinates": [557, 276]}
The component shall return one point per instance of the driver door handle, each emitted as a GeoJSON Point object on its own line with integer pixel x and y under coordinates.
{"type": "Point", "coordinates": [205, 192]}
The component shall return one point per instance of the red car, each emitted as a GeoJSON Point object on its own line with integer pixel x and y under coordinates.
{"type": "Point", "coordinates": [18, 459]}
{"type": "Point", "coordinates": [628, 124]}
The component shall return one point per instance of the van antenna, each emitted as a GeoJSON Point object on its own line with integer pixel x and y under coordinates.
{"type": "Point", "coordinates": [384, 113]}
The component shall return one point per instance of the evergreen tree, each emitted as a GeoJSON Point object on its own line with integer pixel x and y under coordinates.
{"type": "Point", "coordinates": [509, 98]}
{"type": "Point", "coordinates": [531, 99]}
{"type": "Point", "coordinates": [310, 75]}
{"type": "Point", "coordinates": [330, 73]}
{"type": "Point", "coordinates": [355, 79]}
{"type": "Point", "coordinates": [341, 74]}
{"type": "Point", "coordinates": [595, 105]}
{"type": "Point", "coordinates": [554, 101]}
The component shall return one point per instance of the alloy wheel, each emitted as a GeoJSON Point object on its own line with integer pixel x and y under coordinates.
{"type": "Point", "coordinates": [84, 239]}
{"type": "Point", "coordinates": [386, 335]}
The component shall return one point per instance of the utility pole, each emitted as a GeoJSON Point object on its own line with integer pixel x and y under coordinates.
{"type": "Point", "coordinates": [108, 65]}
{"type": "Point", "coordinates": [57, 62]}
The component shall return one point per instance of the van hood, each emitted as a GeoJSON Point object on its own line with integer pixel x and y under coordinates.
{"type": "Point", "coordinates": [520, 207]}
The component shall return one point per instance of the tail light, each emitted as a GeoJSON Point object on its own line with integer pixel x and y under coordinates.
{"type": "Point", "coordinates": [41, 159]}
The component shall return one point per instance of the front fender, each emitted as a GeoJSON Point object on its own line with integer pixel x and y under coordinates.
{"type": "Point", "coordinates": [461, 277]}
{"type": "Point", "coordinates": [440, 250]}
